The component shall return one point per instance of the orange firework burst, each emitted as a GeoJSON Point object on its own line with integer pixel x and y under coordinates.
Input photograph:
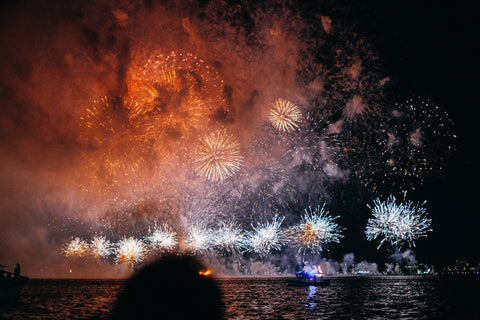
{"type": "Point", "coordinates": [181, 90]}
{"type": "Point", "coordinates": [117, 133]}
{"type": "Point", "coordinates": [285, 115]}
{"type": "Point", "coordinates": [219, 156]}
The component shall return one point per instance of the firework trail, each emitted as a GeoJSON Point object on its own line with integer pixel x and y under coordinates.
{"type": "Point", "coordinates": [398, 224]}
{"type": "Point", "coordinates": [76, 248]}
{"type": "Point", "coordinates": [265, 237]}
{"type": "Point", "coordinates": [218, 156]}
{"type": "Point", "coordinates": [100, 247]}
{"type": "Point", "coordinates": [315, 230]}
{"type": "Point", "coordinates": [130, 251]}
{"type": "Point", "coordinates": [285, 115]}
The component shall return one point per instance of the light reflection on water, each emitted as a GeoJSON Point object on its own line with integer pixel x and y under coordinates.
{"type": "Point", "coordinates": [352, 298]}
{"type": "Point", "coordinates": [271, 298]}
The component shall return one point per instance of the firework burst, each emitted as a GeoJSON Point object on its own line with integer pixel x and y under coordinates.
{"type": "Point", "coordinates": [413, 143]}
{"type": "Point", "coordinates": [75, 248]}
{"type": "Point", "coordinates": [265, 238]}
{"type": "Point", "coordinates": [117, 136]}
{"type": "Point", "coordinates": [228, 238]}
{"type": "Point", "coordinates": [199, 239]}
{"type": "Point", "coordinates": [420, 138]}
{"type": "Point", "coordinates": [182, 91]}
{"type": "Point", "coordinates": [218, 156]}
{"type": "Point", "coordinates": [163, 238]}
{"type": "Point", "coordinates": [315, 230]}
{"type": "Point", "coordinates": [100, 247]}
{"type": "Point", "coordinates": [398, 224]}
{"type": "Point", "coordinates": [285, 115]}
{"type": "Point", "coordinates": [130, 251]}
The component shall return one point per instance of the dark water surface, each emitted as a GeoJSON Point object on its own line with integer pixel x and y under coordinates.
{"type": "Point", "coordinates": [415, 297]}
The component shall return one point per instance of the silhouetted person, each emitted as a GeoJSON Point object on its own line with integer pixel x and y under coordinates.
{"type": "Point", "coordinates": [16, 270]}
{"type": "Point", "coordinates": [170, 288]}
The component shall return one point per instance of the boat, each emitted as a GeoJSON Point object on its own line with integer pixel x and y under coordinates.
{"type": "Point", "coordinates": [11, 282]}
{"type": "Point", "coordinates": [306, 279]}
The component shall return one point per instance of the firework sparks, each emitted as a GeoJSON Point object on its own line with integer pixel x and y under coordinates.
{"type": "Point", "coordinates": [218, 156]}
{"type": "Point", "coordinates": [180, 89]}
{"type": "Point", "coordinates": [199, 239]}
{"type": "Point", "coordinates": [285, 115]}
{"type": "Point", "coordinates": [228, 238]}
{"type": "Point", "coordinates": [130, 251]}
{"type": "Point", "coordinates": [315, 230]}
{"type": "Point", "coordinates": [163, 238]}
{"type": "Point", "coordinates": [413, 143]}
{"type": "Point", "coordinates": [117, 134]}
{"type": "Point", "coordinates": [265, 237]}
{"type": "Point", "coordinates": [100, 247]}
{"type": "Point", "coordinates": [420, 138]}
{"type": "Point", "coordinates": [397, 223]}
{"type": "Point", "coordinates": [76, 248]}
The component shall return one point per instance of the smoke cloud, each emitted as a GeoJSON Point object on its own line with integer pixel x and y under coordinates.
{"type": "Point", "coordinates": [60, 59]}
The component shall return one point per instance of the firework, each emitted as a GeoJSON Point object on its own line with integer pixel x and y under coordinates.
{"type": "Point", "coordinates": [398, 224]}
{"type": "Point", "coordinates": [315, 230]}
{"type": "Point", "coordinates": [130, 251]}
{"type": "Point", "coordinates": [117, 134]}
{"type": "Point", "coordinates": [75, 248]}
{"type": "Point", "coordinates": [100, 247]}
{"type": "Point", "coordinates": [228, 238]}
{"type": "Point", "coordinates": [285, 115]}
{"type": "Point", "coordinates": [199, 239]}
{"type": "Point", "coordinates": [219, 156]}
{"type": "Point", "coordinates": [413, 143]}
{"type": "Point", "coordinates": [420, 138]}
{"type": "Point", "coordinates": [265, 237]}
{"type": "Point", "coordinates": [182, 91]}
{"type": "Point", "coordinates": [163, 238]}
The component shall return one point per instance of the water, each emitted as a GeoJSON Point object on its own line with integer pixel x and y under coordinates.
{"type": "Point", "coordinates": [270, 298]}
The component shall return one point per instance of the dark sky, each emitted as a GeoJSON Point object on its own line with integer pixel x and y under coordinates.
{"type": "Point", "coordinates": [430, 48]}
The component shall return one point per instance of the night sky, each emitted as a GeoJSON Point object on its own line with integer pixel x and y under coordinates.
{"type": "Point", "coordinates": [56, 58]}
{"type": "Point", "coordinates": [430, 49]}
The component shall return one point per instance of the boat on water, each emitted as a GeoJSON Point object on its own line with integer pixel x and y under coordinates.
{"type": "Point", "coordinates": [305, 279]}
{"type": "Point", "coordinates": [11, 282]}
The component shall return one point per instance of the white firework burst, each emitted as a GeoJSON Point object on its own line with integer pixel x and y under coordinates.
{"type": "Point", "coordinates": [398, 224]}
{"type": "Point", "coordinates": [228, 238]}
{"type": "Point", "coordinates": [199, 239]}
{"type": "Point", "coordinates": [130, 251]}
{"type": "Point", "coordinates": [265, 238]}
{"type": "Point", "coordinates": [315, 230]}
{"type": "Point", "coordinates": [163, 238]}
{"type": "Point", "coordinates": [100, 247]}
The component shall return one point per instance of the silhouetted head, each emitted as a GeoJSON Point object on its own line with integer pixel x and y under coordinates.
{"type": "Point", "coordinates": [170, 288]}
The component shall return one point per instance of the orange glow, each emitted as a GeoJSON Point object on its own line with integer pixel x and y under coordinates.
{"type": "Point", "coordinates": [205, 273]}
{"type": "Point", "coordinates": [180, 90]}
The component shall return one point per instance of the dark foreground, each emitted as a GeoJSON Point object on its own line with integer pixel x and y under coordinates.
{"type": "Point", "coordinates": [402, 297]}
